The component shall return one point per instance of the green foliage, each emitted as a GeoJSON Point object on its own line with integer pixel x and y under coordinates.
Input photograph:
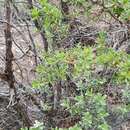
{"type": "Point", "coordinates": [76, 2]}
{"type": "Point", "coordinates": [55, 65]}
{"type": "Point", "coordinates": [92, 107]}
{"type": "Point", "coordinates": [49, 17]}
{"type": "Point", "coordinates": [81, 62]}
{"type": "Point", "coordinates": [118, 8]}
{"type": "Point", "coordinates": [76, 127]}
{"type": "Point", "coordinates": [90, 104]}
{"type": "Point", "coordinates": [119, 61]}
{"type": "Point", "coordinates": [35, 13]}
{"type": "Point", "coordinates": [52, 15]}
{"type": "Point", "coordinates": [37, 126]}
{"type": "Point", "coordinates": [54, 68]}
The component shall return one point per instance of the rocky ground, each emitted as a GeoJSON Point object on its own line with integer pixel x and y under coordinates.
{"type": "Point", "coordinates": [24, 70]}
{"type": "Point", "coordinates": [24, 66]}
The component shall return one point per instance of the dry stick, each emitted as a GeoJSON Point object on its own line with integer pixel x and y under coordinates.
{"type": "Point", "coordinates": [22, 110]}
{"type": "Point", "coordinates": [9, 67]}
{"type": "Point", "coordinates": [57, 94]}
{"type": "Point", "coordinates": [21, 72]}
{"type": "Point", "coordinates": [15, 7]}
{"type": "Point", "coordinates": [37, 25]}
{"type": "Point", "coordinates": [25, 54]}
{"type": "Point", "coordinates": [105, 9]}
{"type": "Point", "coordinates": [13, 26]}
{"type": "Point", "coordinates": [17, 46]}
{"type": "Point", "coordinates": [2, 58]}
{"type": "Point", "coordinates": [32, 40]}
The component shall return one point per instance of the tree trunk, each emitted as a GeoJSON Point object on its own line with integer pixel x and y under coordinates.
{"type": "Point", "coordinates": [9, 67]}
{"type": "Point", "coordinates": [9, 53]}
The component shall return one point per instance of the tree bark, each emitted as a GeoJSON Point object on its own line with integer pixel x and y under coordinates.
{"type": "Point", "coordinates": [9, 53]}
{"type": "Point", "coordinates": [9, 76]}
